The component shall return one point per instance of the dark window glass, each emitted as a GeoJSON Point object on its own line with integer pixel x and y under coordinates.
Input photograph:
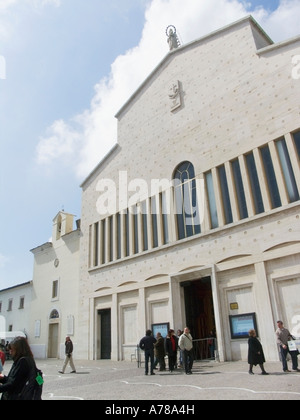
{"type": "Point", "coordinates": [103, 241]}
{"type": "Point", "coordinates": [119, 237]}
{"type": "Point", "coordinates": [187, 211]}
{"type": "Point", "coordinates": [239, 188]}
{"type": "Point", "coordinates": [287, 170]}
{"type": "Point", "coordinates": [211, 200]}
{"type": "Point", "coordinates": [145, 225]}
{"type": "Point", "coordinates": [297, 142]}
{"type": "Point", "coordinates": [254, 182]}
{"type": "Point", "coordinates": [96, 244]}
{"type": "Point", "coordinates": [127, 234]}
{"type": "Point", "coordinates": [154, 222]}
{"type": "Point", "coordinates": [271, 178]}
{"type": "Point", "coordinates": [225, 194]}
{"type": "Point", "coordinates": [165, 213]}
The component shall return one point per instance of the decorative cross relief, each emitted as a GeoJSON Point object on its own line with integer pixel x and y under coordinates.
{"type": "Point", "coordinates": [174, 95]}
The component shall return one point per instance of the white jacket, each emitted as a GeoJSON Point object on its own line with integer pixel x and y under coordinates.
{"type": "Point", "coordinates": [186, 342]}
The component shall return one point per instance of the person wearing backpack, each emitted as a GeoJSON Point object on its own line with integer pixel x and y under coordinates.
{"type": "Point", "coordinates": [13, 386]}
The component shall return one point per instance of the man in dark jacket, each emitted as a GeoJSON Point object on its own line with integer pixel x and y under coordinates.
{"type": "Point", "coordinates": [159, 352]}
{"type": "Point", "coordinates": [147, 344]}
{"type": "Point", "coordinates": [69, 357]}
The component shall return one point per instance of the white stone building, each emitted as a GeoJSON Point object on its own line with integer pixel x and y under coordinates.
{"type": "Point", "coordinates": [54, 307]}
{"type": "Point", "coordinates": [220, 116]}
{"type": "Point", "coordinates": [15, 310]}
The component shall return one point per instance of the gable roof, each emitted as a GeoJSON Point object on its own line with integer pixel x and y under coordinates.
{"type": "Point", "coordinates": [248, 19]}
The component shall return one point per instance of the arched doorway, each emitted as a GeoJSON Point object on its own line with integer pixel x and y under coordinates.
{"type": "Point", "coordinates": [53, 334]}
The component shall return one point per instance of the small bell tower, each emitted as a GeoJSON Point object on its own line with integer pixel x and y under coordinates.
{"type": "Point", "coordinates": [62, 225]}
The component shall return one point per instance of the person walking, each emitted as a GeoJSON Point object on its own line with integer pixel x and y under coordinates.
{"type": "Point", "coordinates": [171, 349]}
{"type": "Point", "coordinates": [147, 344]}
{"type": "Point", "coordinates": [283, 336]}
{"type": "Point", "coordinates": [255, 353]}
{"type": "Point", "coordinates": [69, 356]}
{"type": "Point", "coordinates": [23, 363]}
{"type": "Point", "coordinates": [186, 345]}
{"type": "Point", "coordinates": [159, 352]}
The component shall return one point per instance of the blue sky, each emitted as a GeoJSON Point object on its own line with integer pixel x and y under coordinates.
{"type": "Point", "coordinates": [66, 68]}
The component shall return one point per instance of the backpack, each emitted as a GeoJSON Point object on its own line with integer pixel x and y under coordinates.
{"type": "Point", "coordinates": [33, 388]}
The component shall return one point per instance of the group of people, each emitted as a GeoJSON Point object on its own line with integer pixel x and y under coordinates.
{"type": "Point", "coordinates": [256, 354]}
{"type": "Point", "coordinates": [157, 348]}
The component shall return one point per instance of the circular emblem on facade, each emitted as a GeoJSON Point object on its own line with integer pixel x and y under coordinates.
{"type": "Point", "coordinates": [56, 262]}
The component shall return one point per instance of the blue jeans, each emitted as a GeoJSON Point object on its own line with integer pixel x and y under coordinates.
{"type": "Point", "coordinates": [149, 355]}
{"type": "Point", "coordinates": [294, 357]}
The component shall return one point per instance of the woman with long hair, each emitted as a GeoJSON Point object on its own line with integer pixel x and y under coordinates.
{"type": "Point", "coordinates": [23, 362]}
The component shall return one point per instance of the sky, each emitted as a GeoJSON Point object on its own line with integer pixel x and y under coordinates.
{"type": "Point", "coordinates": [66, 68]}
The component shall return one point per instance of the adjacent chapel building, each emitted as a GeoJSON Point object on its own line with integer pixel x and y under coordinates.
{"type": "Point", "coordinates": [193, 218]}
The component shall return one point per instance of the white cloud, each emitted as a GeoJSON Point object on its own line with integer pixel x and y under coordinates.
{"type": "Point", "coordinates": [283, 23]}
{"type": "Point", "coordinates": [11, 12]}
{"type": "Point", "coordinates": [5, 4]}
{"type": "Point", "coordinates": [98, 127]}
{"type": "Point", "coordinates": [61, 143]}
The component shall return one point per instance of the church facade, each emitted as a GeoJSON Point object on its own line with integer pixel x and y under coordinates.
{"type": "Point", "coordinates": [54, 311]}
{"type": "Point", "coordinates": [193, 218]}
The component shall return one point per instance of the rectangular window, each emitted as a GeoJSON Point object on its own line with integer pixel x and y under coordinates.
{"type": "Point", "coordinates": [119, 237]}
{"type": "Point", "coordinates": [22, 301]}
{"type": "Point", "coordinates": [55, 289]}
{"type": "Point", "coordinates": [165, 212]}
{"type": "Point", "coordinates": [239, 189]}
{"type": "Point", "coordinates": [127, 234]}
{"type": "Point", "coordinates": [91, 251]}
{"type": "Point", "coordinates": [0, 307]}
{"type": "Point", "coordinates": [136, 229]}
{"type": "Point", "coordinates": [254, 182]}
{"type": "Point", "coordinates": [297, 142]}
{"type": "Point", "coordinates": [225, 194]}
{"type": "Point", "coordinates": [211, 201]}
{"type": "Point", "coordinates": [287, 170]}
{"type": "Point", "coordinates": [195, 208]}
{"type": "Point", "coordinates": [179, 200]}
{"type": "Point", "coordinates": [103, 241]}
{"type": "Point", "coordinates": [10, 305]}
{"type": "Point", "coordinates": [145, 225]}
{"type": "Point", "coordinates": [154, 222]}
{"type": "Point", "coordinates": [270, 176]}
{"type": "Point", "coordinates": [96, 244]}
{"type": "Point", "coordinates": [111, 238]}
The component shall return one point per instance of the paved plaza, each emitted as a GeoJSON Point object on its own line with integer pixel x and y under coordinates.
{"type": "Point", "coordinates": [124, 381]}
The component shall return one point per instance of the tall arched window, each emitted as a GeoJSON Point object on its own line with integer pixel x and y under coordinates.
{"type": "Point", "coordinates": [187, 210]}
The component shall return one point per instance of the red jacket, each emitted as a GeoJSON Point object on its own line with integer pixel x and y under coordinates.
{"type": "Point", "coordinates": [2, 357]}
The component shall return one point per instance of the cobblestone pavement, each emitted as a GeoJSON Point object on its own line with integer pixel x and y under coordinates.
{"type": "Point", "coordinates": [124, 381]}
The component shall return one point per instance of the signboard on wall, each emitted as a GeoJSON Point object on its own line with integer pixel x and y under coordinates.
{"type": "Point", "coordinates": [163, 328]}
{"type": "Point", "coordinates": [241, 324]}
